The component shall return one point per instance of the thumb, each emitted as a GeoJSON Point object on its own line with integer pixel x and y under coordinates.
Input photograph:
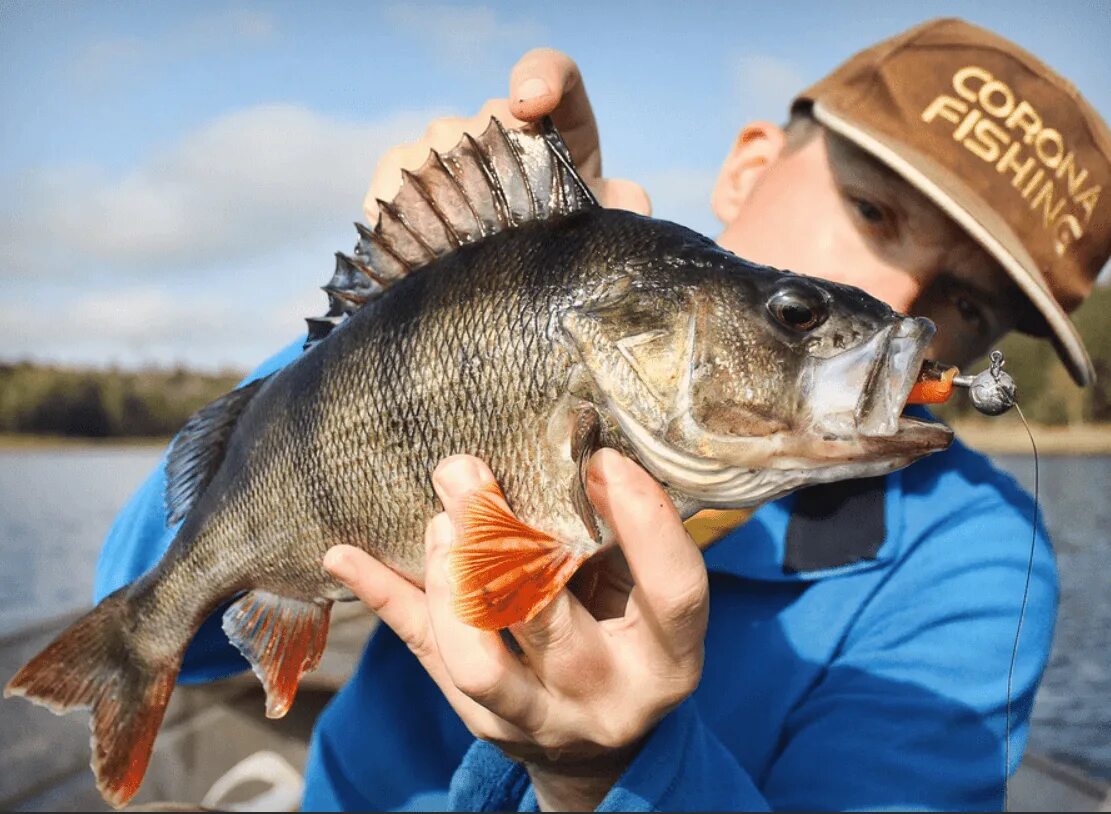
{"type": "Point", "coordinates": [546, 82]}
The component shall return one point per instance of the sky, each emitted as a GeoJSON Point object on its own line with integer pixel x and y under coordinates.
{"type": "Point", "coordinates": [175, 177]}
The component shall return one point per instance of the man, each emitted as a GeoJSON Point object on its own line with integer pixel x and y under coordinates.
{"type": "Point", "coordinates": [849, 646]}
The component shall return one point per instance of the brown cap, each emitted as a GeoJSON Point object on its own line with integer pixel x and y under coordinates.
{"type": "Point", "coordinates": [1005, 146]}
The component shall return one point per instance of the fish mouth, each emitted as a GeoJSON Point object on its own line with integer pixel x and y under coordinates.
{"type": "Point", "coordinates": [862, 393]}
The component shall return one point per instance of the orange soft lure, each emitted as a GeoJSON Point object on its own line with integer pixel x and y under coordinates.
{"type": "Point", "coordinates": [934, 385]}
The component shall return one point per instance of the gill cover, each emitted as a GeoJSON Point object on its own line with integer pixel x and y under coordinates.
{"type": "Point", "coordinates": [641, 351]}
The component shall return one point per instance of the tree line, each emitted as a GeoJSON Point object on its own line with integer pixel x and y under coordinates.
{"type": "Point", "coordinates": [108, 403]}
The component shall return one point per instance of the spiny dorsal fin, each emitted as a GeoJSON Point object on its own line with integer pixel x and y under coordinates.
{"type": "Point", "coordinates": [199, 447]}
{"type": "Point", "coordinates": [484, 185]}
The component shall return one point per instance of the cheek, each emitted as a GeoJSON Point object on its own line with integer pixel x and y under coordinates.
{"type": "Point", "coordinates": [797, 225]}
{"type": "Point", "coordinates": [956, 342]}
{"type": "Point", "coordinates": [893, 286]}
{"type": "Point", "coordinates": [778, 226]}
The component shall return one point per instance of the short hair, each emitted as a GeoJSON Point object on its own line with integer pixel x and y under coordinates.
{"type": "Point", "coordinates": [801, 128]}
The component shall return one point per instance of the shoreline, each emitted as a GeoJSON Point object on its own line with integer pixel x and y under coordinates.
{"type": "Point", "coordinates": [1001, 436]}
{"type": "Point", "coordinates": [10, 442]}
{"type": "Point", "coordinates": [1007, 436]}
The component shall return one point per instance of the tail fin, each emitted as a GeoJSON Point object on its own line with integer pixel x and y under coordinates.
{"type": "Point", "coordinates": [92, 664]}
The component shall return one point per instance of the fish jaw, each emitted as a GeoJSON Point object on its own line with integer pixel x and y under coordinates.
{"type": "Point", "coordinates": [863, 391]}
{"type": "Point", "coordinates": [853, 402]}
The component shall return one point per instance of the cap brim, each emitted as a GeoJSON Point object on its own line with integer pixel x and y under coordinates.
{"type": "Point", "coordinates": [982, 223]}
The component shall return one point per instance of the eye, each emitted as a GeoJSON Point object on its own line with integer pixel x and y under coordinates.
{"type": "Point", "coordinates": [798, 308]}
{"type": "Point", "coordinates": [869, 211]}
{"type": "Point", "coordinates": [970, 312]}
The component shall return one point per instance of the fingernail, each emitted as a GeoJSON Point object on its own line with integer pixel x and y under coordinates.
{"type": "Point", "coordinates": [458, 475]}
{"type": "Point", "coordinates": [532, 88]}
{"type": "Point", "coordinates": [611, 464]}
{"type": "Point", "coordinates": [339, 565]}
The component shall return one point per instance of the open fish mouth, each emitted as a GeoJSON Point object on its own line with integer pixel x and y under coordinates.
{"type": "Point", "coordinates": [862, 392]}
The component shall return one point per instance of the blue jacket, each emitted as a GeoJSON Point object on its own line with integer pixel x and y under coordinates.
{"type": "Point", "coordinates": [856, 658]}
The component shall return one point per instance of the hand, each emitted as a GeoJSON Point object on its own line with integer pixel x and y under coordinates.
{"type": "Point", "coordinates": [563, 706]}
{"type": "Point", "coordinates": [543, 82]}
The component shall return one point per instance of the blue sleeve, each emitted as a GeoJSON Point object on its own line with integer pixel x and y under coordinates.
{"type": "Point", "coordinates": [138, 539]}
{"type": "Point", "coordinates": [387, 741]}
{"type": "Point", "coordinates": [911, 713]}
{"type": "Point", "coordinates": [681, 767]}
{"type": "Point", "coordinates": [684, 767]}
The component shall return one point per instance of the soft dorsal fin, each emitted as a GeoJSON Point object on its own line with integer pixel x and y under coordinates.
{"type": "Point", "coordinates": [198, 449]}
{"type": "Point", "coordinates": [484, 185]}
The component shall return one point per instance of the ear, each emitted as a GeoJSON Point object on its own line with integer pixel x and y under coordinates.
{"type": "Point", "coordinates": [757, 147]}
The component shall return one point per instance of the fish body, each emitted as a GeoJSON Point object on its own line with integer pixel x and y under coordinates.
{"type": "Point", "coordinates": [494, 311]}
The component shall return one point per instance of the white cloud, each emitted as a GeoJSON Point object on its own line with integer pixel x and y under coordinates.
{"type": "Point", "coordinates": [247, 184]}
{"type": "Point", "coordinates": [209, 252]}
{"type": "Point", "coordinates": [133, 326]}
{"type": "Point", "coordinates": [763, 86]}
{"type": "Point", "coordinates": [465, 36]}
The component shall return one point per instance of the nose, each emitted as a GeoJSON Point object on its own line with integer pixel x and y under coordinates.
{"type": "Point", "coordinates": [896, 287]}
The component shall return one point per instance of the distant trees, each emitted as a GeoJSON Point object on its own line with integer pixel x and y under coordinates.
{"type": "Point", "coordinates": [103, 403]}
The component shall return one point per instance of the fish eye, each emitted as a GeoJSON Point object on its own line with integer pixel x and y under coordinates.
{"type": "Point", "coordinates": [798, 308]}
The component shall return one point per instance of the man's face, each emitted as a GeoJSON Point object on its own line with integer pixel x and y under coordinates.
{"type": "Point", "coordinates": [828, 209]}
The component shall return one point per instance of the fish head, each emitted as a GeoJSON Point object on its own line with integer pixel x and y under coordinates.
{"type": "Point", "coordinates": [746, 386]}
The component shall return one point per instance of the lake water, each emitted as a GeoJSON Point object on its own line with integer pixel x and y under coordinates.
{"type": "Point", "coordinates": [57, 505]}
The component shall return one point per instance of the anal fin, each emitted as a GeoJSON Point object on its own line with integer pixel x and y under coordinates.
{"type": "Point", "coordinates": [282, 638]}
{"type": "Point", "coordinates": [505, 571]}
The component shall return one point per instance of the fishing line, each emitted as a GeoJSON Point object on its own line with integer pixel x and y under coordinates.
{"type": "Point", "coordinates": [992, 392]}
{"type": "Point", "coordinates": [1021, 613]}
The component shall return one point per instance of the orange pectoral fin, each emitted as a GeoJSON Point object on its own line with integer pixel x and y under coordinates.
{"type": "Point", "coordinates": [503, 571]}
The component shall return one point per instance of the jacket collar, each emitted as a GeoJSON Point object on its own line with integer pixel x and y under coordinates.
{"type": "Point", "coordinates": [816, 533]}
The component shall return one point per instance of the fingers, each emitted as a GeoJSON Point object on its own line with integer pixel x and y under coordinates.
{"type": "Point", "coordinates": [395, 600]}
{"type": "Point", "coordinates": [404, 608]}
{"type": "Point", "coordinates": [546, 82]}
{"type": "Point", "coordinates": [441, 135]}
{"type": "Point", "coordinates": [619, 193]}
{"type": "Point", "coordinates": [543, 82]}
{"type": "Point", "coordinates": [670, 574]}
